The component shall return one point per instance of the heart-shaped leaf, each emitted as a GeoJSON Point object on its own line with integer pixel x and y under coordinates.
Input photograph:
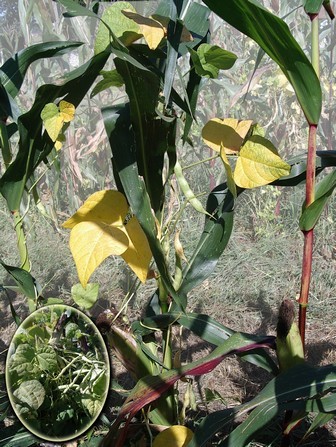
{"type": "Point", "coordinates": [47, 358]}
{"type": "Point", "coordinates": [151, 29]}
{"type": "Point", "coordinates": [259, 164]}
{"type": "Point", "coordinates": [228, 133]}
{"type": "Point", "coordinates": [91, 243]}
{"type": "Point", "coordinates": [54, 117]}
{"type": "Point", "coordinates": [102, 206]}
{"type": "Point", "coordinates": [31, 392]}
{"type": "Point", "coordinates": [85, 297]}
{"type": "Point", "coordinates": [123, 28]}
{"type": "Point", "coordinates": [98, 231]}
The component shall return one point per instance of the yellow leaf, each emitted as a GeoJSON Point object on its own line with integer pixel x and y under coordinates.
{"type": "Point", "coordinates": [109, 207]}
{"type": "Point", "coordinates": [151, 29]}
{"type": "Point", "coordinates": [59, 141]}
{"type": "Point", "coordinates": [91, 243]}
{"type": "Point", "coordinates": [67, 111]}
{"type": "Point", "coordinates": [229, 133]}
{"type": "Point", "coordinates": [54, 126]}
{"type": "Point", "coordinates": [259, 164]}
{"type": "Point", "coordinates": [229, 175]}
{"type": "Point", "coordinates": [138, 255]}
{"type": "Point", "coordinates": [174, 436]}
{"type": "Point", "coordinates": [54, 117]}
{"type": "Point", "coordinates": [185, 35]}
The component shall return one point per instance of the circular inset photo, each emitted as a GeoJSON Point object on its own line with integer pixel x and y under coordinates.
{"type": "Point", "coordinates": [57, 373]}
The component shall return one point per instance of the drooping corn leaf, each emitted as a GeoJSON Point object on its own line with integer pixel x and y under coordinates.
{"type": "Point", "coordinates": [34, 147]}
{"type": "Point", "coordinates": [298, 388]}
{"type": "Point", "coordinates": [27, 284]}
{"type": "Point", "coordinates": [13, 71]}
{"type": "Point", "coordinates": [297, 175]}
{"type": "Point", "coordinates": [150, 388]}
{"type": "Point", "coordinates": [274, 37]}
{"type": "Point", "coordinates": [207, 329]}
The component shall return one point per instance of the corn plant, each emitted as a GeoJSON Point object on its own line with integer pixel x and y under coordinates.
{"type": "Point", "coordinates": [161, 61]}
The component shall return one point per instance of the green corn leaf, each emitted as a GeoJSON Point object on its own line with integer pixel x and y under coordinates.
{"type": "Point", "coordinates": [150, 388]}
{"type": "Point", "coordinates": [13, 70]}
{"type": "Point", "coordinates": [274, 37]}
{"type": "Point", "coordinates": [15, 436]}
{"type": "Point", "coordinates": [215, 236]}
{"type": "Point", "coordinates": [207, 329]}
{"type": "Point", "coordinates": [297, 175]}
{"type": "Point", "coordinates": [74, 9]}
{"type": "Point", "coordinates": [23, 279]}
{"type": "Point", "coordinates": [320, 420]}
{"type": "Point", "coordinates": [312, 6]}
{"type": "Point", "coordinates": [118, 128]}
{"type": "Point", "coordinates": [34, 146]}
{"type": "Point", "coordinates": [297, 387]}
{"type": "Point", "coordinates": [311, 214]}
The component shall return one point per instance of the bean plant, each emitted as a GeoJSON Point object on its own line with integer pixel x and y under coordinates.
{"type": "Point", "coordinates": [57, 372]}
{"type": "Point", "coordinates": [161, 62]}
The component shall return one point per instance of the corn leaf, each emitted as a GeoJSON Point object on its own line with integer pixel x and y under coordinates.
{"type": "Point", "coordinates": [13, 71]}
{"type": "Point", "coordinates": [312, 6]}
{"type": "Point", "coordinates": [214, 238]}
{"type": "Point", "coordinates": [33, 146]}
{"type": "Point", "coordinates": [311, 214]}
{"type": "Point", "coordinates": [299, 387]}
{"type": "Point", "coordinates": [15, 435]}
{"type": "Point", "coordinates": [274, 37]}
{"type": "Point", "coordinates": [118, 127]}
{"type": "Point", "coordinates": [150, 388]}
